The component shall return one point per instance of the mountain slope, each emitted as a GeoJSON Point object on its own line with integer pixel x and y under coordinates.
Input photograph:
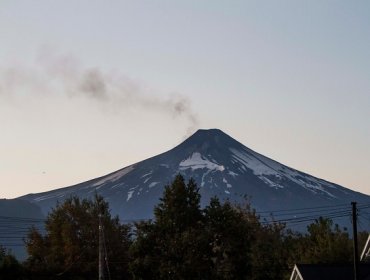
{"type": "Point", "coordinates": [16, 218]}
{"type": "Point", "coordinates": [221, 166]}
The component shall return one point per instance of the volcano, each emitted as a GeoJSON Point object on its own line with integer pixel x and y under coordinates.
{"type": "Point", "coordinates": [221, 166]}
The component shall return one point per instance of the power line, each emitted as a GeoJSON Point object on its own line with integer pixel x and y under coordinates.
{"type": "Point", "coordinates": [25, 219]}
{"type": "Point", "coordinates": [307, 208]}
{"type": "Point", "coordinates": [22, 226]}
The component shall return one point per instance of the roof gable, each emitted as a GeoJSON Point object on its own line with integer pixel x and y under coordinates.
{"type": "Point", "coordinates": [366, 251]}
{"type": "Point", "coordinates": [325, 271]}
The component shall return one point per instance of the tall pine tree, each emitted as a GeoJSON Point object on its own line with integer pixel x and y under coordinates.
{"type": "Point", "coordinates": [173, 247]}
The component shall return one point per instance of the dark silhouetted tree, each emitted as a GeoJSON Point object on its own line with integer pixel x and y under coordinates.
{"type": "Point", "coordinates": [69, 249]}
{"type": "Point", "coordinates": [325, 243]}
{"type": "Point", "coordinates": [10, 268]}
{"type": "Point", "coordinates": [172, 247]}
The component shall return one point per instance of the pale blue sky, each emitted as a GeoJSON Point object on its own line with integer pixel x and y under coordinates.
{"type": "Point", "coordinates": [289, 79]}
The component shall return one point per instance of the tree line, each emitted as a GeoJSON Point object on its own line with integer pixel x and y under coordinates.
{"type": "Point", "coordinates": [183, 241]}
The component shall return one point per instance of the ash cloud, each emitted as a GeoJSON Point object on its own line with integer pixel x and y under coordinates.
{"type": "Point", "coordinates": [93, 85]}
{"type": "Point", "coordinates": [64, 75]}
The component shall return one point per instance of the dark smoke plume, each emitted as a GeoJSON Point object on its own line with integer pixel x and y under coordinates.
{"type": "Point", "coordinates": [93, 84]}
{"type": "Point", "coordinates": [66, 76]}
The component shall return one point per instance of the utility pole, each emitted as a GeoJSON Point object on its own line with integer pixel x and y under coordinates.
{"type": "Point", "coordinates": [101, 252]}
{"type": "Point", "coordinates": [355, 246]}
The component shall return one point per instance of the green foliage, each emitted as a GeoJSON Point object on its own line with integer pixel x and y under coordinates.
{"type": "Point", "coordinates": [69, 250]}
{"type": "Point", "coordinates": [145, 252]}
{"type": "Point", "coordinates": [221, 241]}
{"type": "Point", "coordinates": [225, 241]}
{"type": "Point", "coordinates": [325, 243]}
{"type": "Point", "coordinates": [172, 247]}
{"type": "Point", "coordinates": [185, 242]}
{"type": "Point", "coordinates": [271, 252]}
{"type": "Point", "coordinates": [179, 208]}
{"type": "Point", "coordinates": [230, 234]}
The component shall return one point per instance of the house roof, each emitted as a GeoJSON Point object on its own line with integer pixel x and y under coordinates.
{"type": "Point", "coordinates": [325, 271]}
{"type": "Point", "coordinates": [366, 251]}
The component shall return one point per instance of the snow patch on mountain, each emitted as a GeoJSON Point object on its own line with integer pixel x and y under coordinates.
{"type": "Point", "coordinates": [315, 187]}
{"type": "Point", "coordinates": [153, 184]}
{"type": "Point", "coordinates": [233, 173]}
{"type": "Point", "coordinates": [259, 168]}
{"type": "Point", "coordinates": [117, 185]}
{"type": "Point", "coordinates": [197, 161]}
{"type": "Point", "coordinates": [129, 195]}
{"type": "Point", "coordinates": [266, 169]}
{"type": "Point", "coordinates": [147, 179]}
{"type": "Point", "coordinates": [271, 183]}
{"type": "Point", "coordinates": [147, 174]}
{"type": "Point", "coordinates": [114, 177]}
{"type": "Point", "coordinates": [50, 196]}
{"type": "Point", "coordinates": [229, 186]}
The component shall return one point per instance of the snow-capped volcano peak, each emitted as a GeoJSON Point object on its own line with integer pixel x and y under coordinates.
{"type": "Point", "coordinates": [220, 165]}
{"type": "Point", "coordinates": [197, 161]}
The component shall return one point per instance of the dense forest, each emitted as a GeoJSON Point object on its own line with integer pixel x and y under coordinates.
{"type": "Point", "coordinates": [183, 241]}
